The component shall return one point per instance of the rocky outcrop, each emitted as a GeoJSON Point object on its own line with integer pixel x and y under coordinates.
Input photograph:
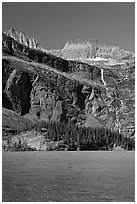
{"type": "Point", "coordinates": [32, 141]}
{"type": "Point", "coordinates": [21, 38]}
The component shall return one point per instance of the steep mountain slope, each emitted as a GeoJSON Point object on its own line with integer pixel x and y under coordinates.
{"type": "Point", "coordinates": [39, 84]}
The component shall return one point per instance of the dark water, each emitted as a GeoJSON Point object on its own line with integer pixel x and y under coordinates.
{"type": "Point", "coordinates": [69, 176]}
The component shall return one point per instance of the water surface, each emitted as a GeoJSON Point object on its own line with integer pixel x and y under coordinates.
{"type": "Point", "coordinates": [68, 176]}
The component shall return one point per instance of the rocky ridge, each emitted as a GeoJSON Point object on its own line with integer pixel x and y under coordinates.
{"type": "Point", "coordinates": [75, 49]}
{"type": "Point", "coordinates": [23, 39]}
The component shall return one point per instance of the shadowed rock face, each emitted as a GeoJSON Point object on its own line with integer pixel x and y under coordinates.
{"type": "Point", "coordinates": [67, 90]}
{"type": "Point", "coordinates": [17, 91]}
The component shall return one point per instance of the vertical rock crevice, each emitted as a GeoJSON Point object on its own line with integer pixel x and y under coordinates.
{"type": "Point", "coordinates": [17, 91]}
{"type": "Point", "coordinates": [80, 97]}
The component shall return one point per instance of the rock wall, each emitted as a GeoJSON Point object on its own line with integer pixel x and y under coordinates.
{"type": "Point", "coordinates": [47, 95]}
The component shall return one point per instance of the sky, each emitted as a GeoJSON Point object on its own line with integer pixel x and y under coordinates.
{"type": "Point", "coordinates": [54, 23]}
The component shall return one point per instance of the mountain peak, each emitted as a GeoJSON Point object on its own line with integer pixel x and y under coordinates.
{"type": "Point", "coordinates": [83, 42]}
{"type": "Point", "coordinates": [22, 38]}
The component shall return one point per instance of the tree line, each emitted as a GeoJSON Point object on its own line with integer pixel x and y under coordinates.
{"type": "Point", "coordinates": [85, 138]}
{"type": "Point", "coordinates": [75, 137]}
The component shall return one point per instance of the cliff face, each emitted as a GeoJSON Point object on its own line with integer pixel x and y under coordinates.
{"type": "Point", "coordinates": [53, 89]}
{"type": "Point", "coordinates": [48, 95]}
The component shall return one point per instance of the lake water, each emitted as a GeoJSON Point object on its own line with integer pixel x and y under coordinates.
{"type": "Point", "coordinates": [86, 176]}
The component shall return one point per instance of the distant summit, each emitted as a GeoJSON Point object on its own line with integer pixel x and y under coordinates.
{"type": "Point", "coordinates": [77, 49]}
{"type": "Point", "coordinates": [91, 49]}
{"type": "Point", "coordinates": [82, 42]}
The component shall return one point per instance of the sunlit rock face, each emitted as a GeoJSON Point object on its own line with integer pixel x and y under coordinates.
{"type": "Point", "coordinates": [22, 38]}
{"type": "Point", "coordinates": [92, 50]}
